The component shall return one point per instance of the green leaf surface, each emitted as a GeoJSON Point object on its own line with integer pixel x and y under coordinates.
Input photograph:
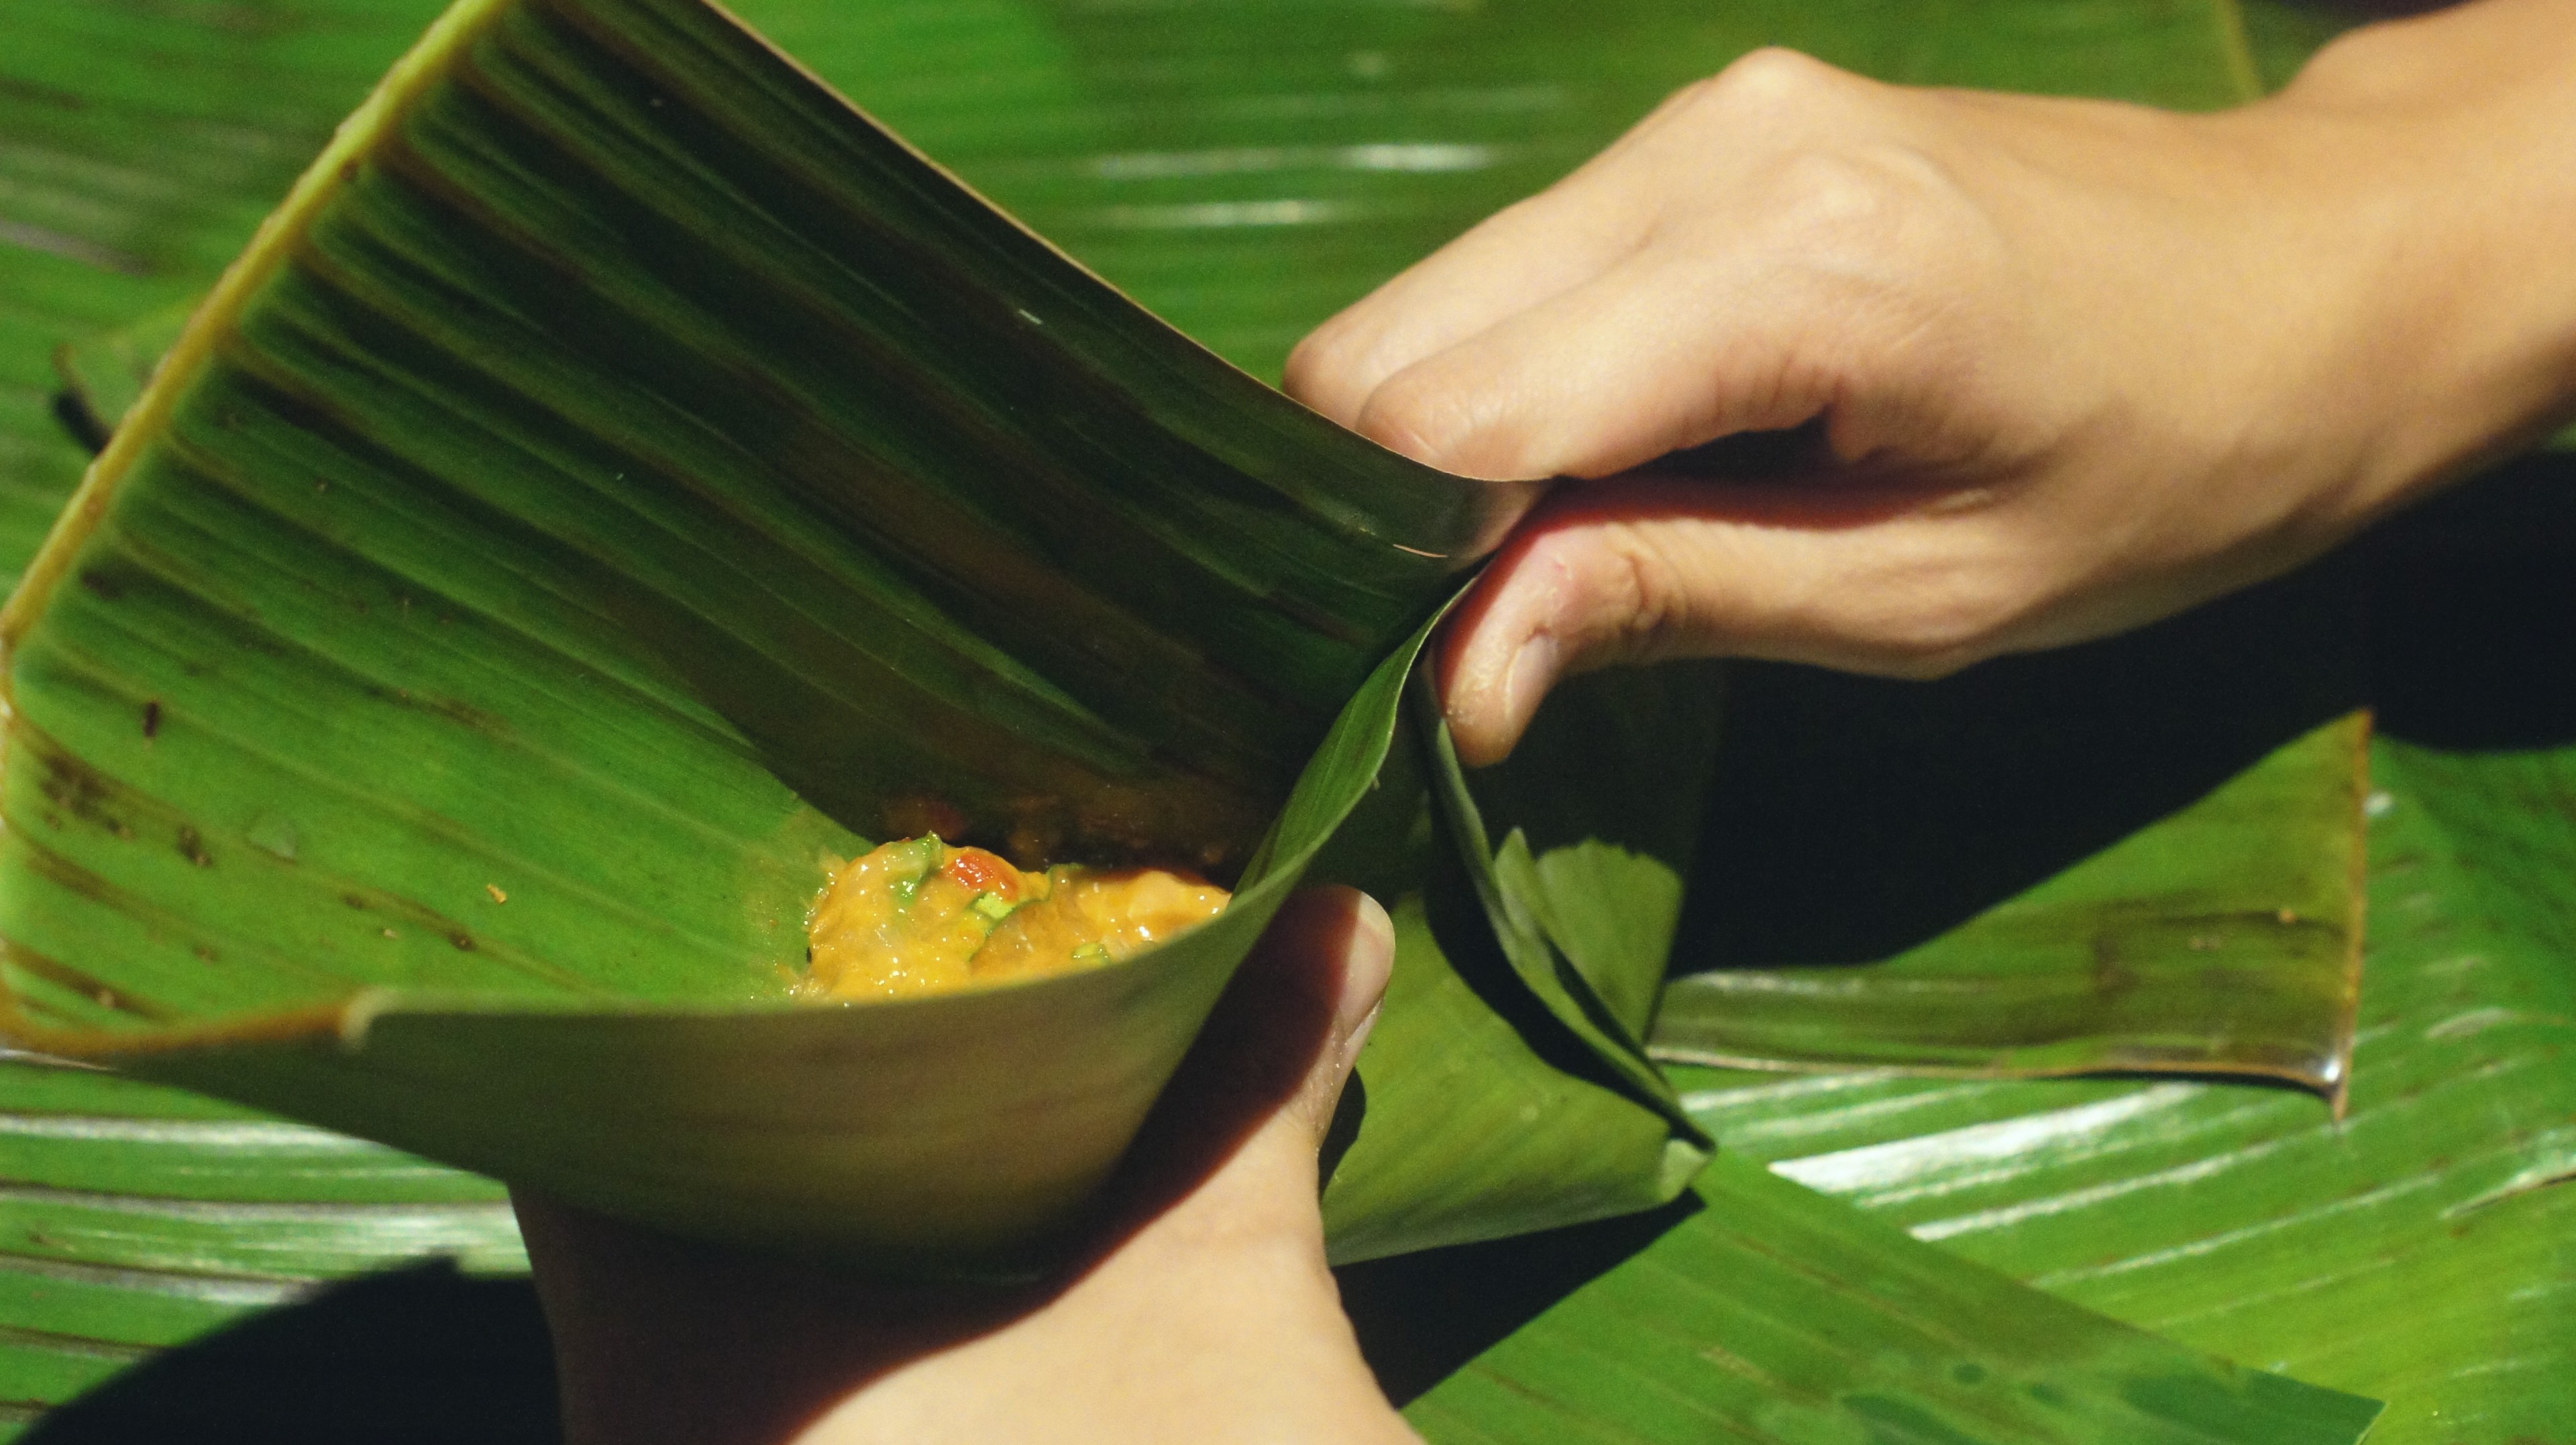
{"type": "Point", "coordinates": [2420, 1250]}
{"type": "Point", "coordinates": [135, 1217]}
{"type": "Point", "coordinates": [2223, 939]}
{"type": "Point", "coordinates": [507, 598]}
{"type": "Point", "coordinates": [1245, 199]}
{"type": "Point", "coordinates": [143, 142]}
{"type": "Point", "coordinates": [1529, 897]}
{"type": "Point", "coordinates": [391, 593]}
{"type": "Point", "coordinates": [1509, 1085]}
{"type": "Point", "coordinates": [1320, 147]}
{"type": "Point", "coordinates": [1768, 1314]}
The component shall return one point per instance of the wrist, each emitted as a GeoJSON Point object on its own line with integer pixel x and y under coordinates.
{"type": "Point", "coordinates": [2437, 158]}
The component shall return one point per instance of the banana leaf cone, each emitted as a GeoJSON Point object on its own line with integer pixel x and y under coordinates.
{"type": "Point", "coordinates": [622, 481]}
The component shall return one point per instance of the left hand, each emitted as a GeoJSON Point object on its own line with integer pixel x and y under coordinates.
{"type": "Point", "coordinates": [1205, 1315]}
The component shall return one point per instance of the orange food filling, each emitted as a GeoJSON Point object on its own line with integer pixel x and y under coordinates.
{"type": "Point", "coordinates": [920, 917]}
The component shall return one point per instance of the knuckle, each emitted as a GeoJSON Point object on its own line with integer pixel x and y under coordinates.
{"type": "Point", "coordinates": [1838, 194]}
{"type": "Point", "coordinates": [1626, 600]}
{"type": "Point", "coordinates": [1631, 591]}
{"type": "Point", "coordinates": [1773, 77]}
{"type": "Point", "coordinates": [1762, 89]}
{"type": "Point", "coordinates": [1424, 420]}
{"type": "Point", "coordinates": [1882, 241]}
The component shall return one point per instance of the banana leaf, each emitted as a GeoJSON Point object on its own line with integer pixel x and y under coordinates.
{"type": "Point", "coordinates": [104, 375]}
{"type": "Point", "coordinates": [2422, 1249]}
{"type": "Point", "coordinates": [2259, 924]}
{"type": "Point", "coordinates": [1318, 148]}
{"type": "Point", "coordinates": [1609, 112]}
{"type": "Point", "coordinates": [2300, 1034]}
{"type": "Point", "coordinates": [767, 553]}
{"type": "Point", "coordinates": [1710, 1325]}
{"type": "Point", "coordinates": [144, 143]}
{"type": "Point", "coordinates": [1711, 1331]}
{"type": "Point", "coordinates": [527, 452]}
{"type": "Point", "coordinates": [1498, 1052]}
{"type": "Point", "coordinates": [2197, 914]}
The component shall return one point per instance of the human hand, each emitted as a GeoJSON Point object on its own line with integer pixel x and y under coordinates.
{"type": "Point", "coordinates": [2065, 366]}
{"type": "Point", "coordinates": [1205, 1315]}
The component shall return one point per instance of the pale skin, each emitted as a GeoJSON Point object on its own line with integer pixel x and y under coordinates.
{"type": "Point", "coordinates": [2075, 365]}
{"type": "Point", "coordinates": [1202, 1312]}
{"type": "Point", "coordinates": [2068, 367]}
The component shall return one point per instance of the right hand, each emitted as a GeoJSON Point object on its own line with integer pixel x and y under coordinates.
{"type": "Point", "coordinates": [2071, 365]}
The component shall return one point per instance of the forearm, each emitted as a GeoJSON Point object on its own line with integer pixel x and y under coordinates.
{"type": "Point", "coordinates": [2447, 144]}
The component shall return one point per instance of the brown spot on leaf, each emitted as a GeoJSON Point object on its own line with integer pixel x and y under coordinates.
{"type": "Point", "coordinates": [152, 719]}
{"type": "Point", "coordinates": [192, 846]}
{"type": "Point", "coordinates": [455, 710]}
{"type": "Point", "coordinates": [79, 790]}
{"type": "Point", "coordinates": [64, 976]}
{"type": "Point", "coordinates": [11, 85]}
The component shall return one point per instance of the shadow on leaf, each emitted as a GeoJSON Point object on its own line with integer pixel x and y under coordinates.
{"type": "Point", "coordinates": [424, 1354]}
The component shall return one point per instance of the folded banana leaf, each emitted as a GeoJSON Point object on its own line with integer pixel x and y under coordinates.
{"type": "Point", "coordinates": [2421, 1249]}
{"type": "Point", "coordinates": [2225, 939]}
{"type": "Point", "coordinates": [621, 480]}
{"type": "Point", "coordinates": [2257, 915]}
{"type": "Point", "coordinates": [1186, 254]}
{"type": "Point", "coordinates": [1499, 1052]}
{"type": "Point", "coordinates": [511, 775]}
{"type": "Point", "coordinates": [1477, 174]}
{"type": "Point", "coordinates": [1896, 874]}
{"type": "Point", "coordinates": [869, 588]}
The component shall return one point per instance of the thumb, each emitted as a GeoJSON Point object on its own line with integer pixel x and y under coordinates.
{"type": "Point", "coordinates": [1247, 1110]}
{"type": "Point", "coordinates": [1359, 928]}
{"type": "Point", "coordinates": [1337, 946]}
{"type": "Point", "coordinates": [1885, 577]}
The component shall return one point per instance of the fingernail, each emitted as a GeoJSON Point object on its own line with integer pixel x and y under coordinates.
{"type": "Point", "coordinates": [1371, 962]}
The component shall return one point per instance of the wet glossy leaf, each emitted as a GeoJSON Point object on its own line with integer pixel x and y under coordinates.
{"type": "Point", "coordinates": [2419, 1250]}
{"type": "Point", "coordinates": [406, 724]}
{"type": "Point", "coordinates": [1768, 1314]}
{"type": "Point", "coordinates": [1224, 198]}
{"type": "Point", "coordinates": [2224, 939]}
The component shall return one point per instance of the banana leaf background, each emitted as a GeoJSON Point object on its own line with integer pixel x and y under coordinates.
{"type": "Point", "coordinates": [1233, 170]}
